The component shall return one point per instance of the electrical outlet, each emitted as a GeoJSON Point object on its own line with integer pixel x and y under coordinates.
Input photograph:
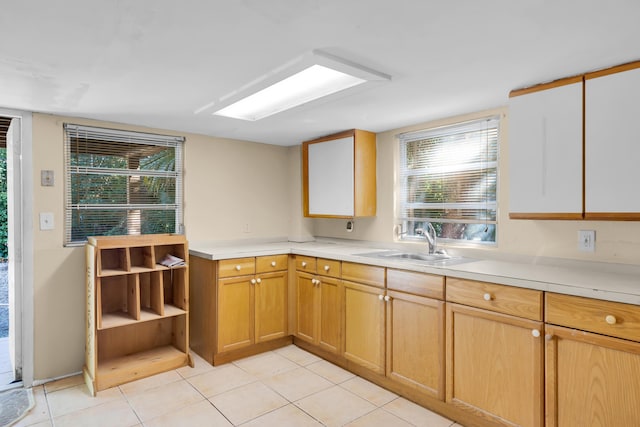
{"type": "Point", "coordinates": [586, 241]}
{"type": "Point", "coordinates": [46, 220]}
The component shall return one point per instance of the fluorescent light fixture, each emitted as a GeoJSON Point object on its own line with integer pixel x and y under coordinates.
{"type": "Point", "coordinates": [311, 77]}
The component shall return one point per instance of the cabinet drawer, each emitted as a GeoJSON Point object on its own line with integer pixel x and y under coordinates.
{"type": "Point", "coordinates": [236, 267]}
{"type": "Point", "coordinates": [519, 302]}
{"type": "Point", "coordinates": [604, 317]}
{"type": "Point", "coordinates": [427, 285]}
{"type": "Point", "coordinates": [267, 264]}
{"type": "Point", "coordinates": [328, 267]}
{"type": "Point", "coordinates": [305, 263]}
{"type": "Point", "coordinates": [362, 273]}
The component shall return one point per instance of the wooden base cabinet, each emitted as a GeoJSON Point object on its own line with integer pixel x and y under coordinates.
{"type": "Point", "coordinates": [240, 306]}
{"type": "Point", "coordinates": [319, 304]}
{"type": "Point", "coordinates": [592, 379]}
{"type": "Point", "coordinates": [415, 331]}
{"type": "Point", "coordinates": [495, 360]}
{"type": "Point", "coordinates": [364, 315]}
{"type": "Point", "coordinates": [137, 309]}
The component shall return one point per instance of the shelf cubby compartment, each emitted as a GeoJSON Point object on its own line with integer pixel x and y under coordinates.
{"type": "Point", "coordinates": [151, 293]}
{"type": "Point", "coordinates": [141, 258]}
{"type": "Point", "coordinates": [178, 250]}
{"type": "Point", "coordinates": [174, 289]}
{"type": "Point", "coordinates": [144, 349]}
{"type": "Point", "coordinates": [118, 300]}
{"type": "Point", "coordinates": [113, 261]}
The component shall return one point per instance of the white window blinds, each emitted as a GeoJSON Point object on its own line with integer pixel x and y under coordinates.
{"type": "Point", "coordinates": [448, 177]}
{"type": "Point", "coordinates": [121, 183]}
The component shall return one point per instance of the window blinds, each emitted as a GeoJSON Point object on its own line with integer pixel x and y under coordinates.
{"type": "Point", "coordinates": [448, 175]}
{"type": "Point", "coordinates": [121, 183]}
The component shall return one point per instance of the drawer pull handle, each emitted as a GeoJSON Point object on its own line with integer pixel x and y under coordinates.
{"type": "Point", "coordinates": [273, 263]}
{"type": "Point", "coordinates": [535, 333]}
{"type": "Point", "coordinates": [326, 268]}
{"type": "Point", "coordinates": [487, 297]}
{"type": "Point", "coordinates": [253, 281]}
{"type": "Point", "coordinates": [238, 267]}
{"type": "Point", "coordinates": [610, 319]}
{"type": "Point", "coordinates": [304, 264]}
{"type": "Point", "coordinates": [380, 297]}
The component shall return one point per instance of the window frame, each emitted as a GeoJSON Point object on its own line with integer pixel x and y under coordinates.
{"type": "Point", "coordinates": [132, 141]}
{"type": "Point", "coordinates": [402, 229]}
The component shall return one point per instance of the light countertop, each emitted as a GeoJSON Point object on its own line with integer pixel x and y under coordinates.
{"type": "Point", "coordinates": [607, 281]}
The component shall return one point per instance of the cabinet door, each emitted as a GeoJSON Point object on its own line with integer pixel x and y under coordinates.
{"type": "Point", "coordinates": [270, 306]}
{"type": "Point", "coordinates": [306, 309]}
{"type": "Point", "coordinates": [330, 314]}
{"type": "Point", "coordinates": [545, 153]}
{"type": "Point", "coordinates": [591, 380]}
{"type": "Point", "coordinates": [612, 148]}
{"type": "Point", "coordinates": [494, 366]}
{"type": "Point", "coordinates": [235, 313]}
{"type": "Point", "coordinates": [331, 177]}
{"type": "Point", "coordinates": [415, 342]}
{"type": "Point", "coordinates": [364, 325]}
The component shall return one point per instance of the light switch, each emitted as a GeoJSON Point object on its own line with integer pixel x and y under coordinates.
{"type": "Point", "coordinates": [46, 178]}
{"type": "Point", "coordinates": [46, 220]}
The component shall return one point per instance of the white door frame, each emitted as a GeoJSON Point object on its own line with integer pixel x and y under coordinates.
{"type": "Point", "coordinates": [20, 217]}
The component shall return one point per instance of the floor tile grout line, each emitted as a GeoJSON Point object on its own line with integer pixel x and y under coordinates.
{"type": "Point", "coordinates": [126, 398]}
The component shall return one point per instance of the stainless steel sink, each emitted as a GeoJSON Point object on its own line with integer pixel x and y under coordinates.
{"type": "Point", "coordinates": [430, 259]}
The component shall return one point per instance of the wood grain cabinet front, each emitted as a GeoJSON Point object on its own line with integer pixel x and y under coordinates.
{"type": "Point", "coordinates": [494, 362]}
{"type": "Point", "coordinates": [592, 362]}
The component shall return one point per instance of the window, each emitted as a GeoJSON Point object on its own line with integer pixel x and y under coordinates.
{"type": "Point", "coordinates": [121, 183]}
{"type": "Point", "coordinates": [448, 177]}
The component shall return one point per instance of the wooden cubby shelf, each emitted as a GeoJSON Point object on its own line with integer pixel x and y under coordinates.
{"type": "Point", "coordinates": [137, 309]}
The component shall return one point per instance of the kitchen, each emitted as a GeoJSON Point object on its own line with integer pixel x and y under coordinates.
{"type": "Point", "coordinates": [230, 181]}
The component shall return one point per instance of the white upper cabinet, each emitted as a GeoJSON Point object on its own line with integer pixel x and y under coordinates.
{"type": "Point", "coordinates": [545, 151]}
{"type": "Point", "coordinates": [339, 175]}
{"type": "Point", "coordinates": [612, 141]}
{"type": "Point", "coordinates": [331, 188]}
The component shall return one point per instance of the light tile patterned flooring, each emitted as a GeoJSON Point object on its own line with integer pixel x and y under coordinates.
{"type": "Point", "coordinates": [285, 387]}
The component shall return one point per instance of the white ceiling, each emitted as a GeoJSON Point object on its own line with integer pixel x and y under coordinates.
{"type": "Point", "coordinates": [155, 62]}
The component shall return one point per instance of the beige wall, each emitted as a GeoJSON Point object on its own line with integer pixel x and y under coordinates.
{"type": "Point", "coordinates": [227, 184]}
{"type": "Point", "coordinates": [615, 241]}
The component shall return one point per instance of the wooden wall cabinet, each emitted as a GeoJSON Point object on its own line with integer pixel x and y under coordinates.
{"type": "Point", "coordinates": [545, 151]}
{"type": "Point", "coordinates": [592, 362]}
{"type": "Point", "coordinates": [364, 315]}
{"type": "Point", "coordinates": [319, 303]}
{"type": "Point", "coordinates": [137, 310]}
{"type": "Point", "coordinates": [339, 175]}
{"type": "Point", "coordinates": [495, 352]}
{"type": "Point", "coordinates": [415, 331]}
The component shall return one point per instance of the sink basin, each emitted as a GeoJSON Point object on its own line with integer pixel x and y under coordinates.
{"type": "Point", "coordinates": [430, 259]}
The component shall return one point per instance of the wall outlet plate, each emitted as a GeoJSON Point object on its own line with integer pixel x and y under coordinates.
{"type": "Point", "coordinates": [587, 240]}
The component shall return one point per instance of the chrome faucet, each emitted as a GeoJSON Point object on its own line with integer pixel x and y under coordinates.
{"type": "Point", "coordinates": [430, 236]}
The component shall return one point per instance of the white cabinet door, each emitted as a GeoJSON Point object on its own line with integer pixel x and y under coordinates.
{"type": "Point", "coordinates": [545, 151]}
{"type": "Point", "coordinates": [331, 177]}
{"type": "Point", "coordinates": [612, 141]}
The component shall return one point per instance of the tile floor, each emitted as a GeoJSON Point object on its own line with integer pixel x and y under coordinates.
{"type": "Point", "coordinates": [285, 387]}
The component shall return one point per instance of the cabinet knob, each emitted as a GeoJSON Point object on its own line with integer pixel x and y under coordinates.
{"type": "Point", "coordinates": [387, 298]}
{"type": "Point", "coordinates": [548, 337]}
{"type": "Point", "coordinates": [253, 281]}
{"type": "Point", "coordinates": [487, 297]}
{"type": "Point", "coordinates": [258, 280]}
{"type": "Point", "coordinates": [304, 264]}
{"type": "Point", "coordinates": [238, 267]}
{"type": "Point", "coordinates": [535, 333]}
{"type": "Point", "coordinates": [611, 319]}
{"type": "Point", "coordinates": [273, 263]}
{"type": "Point", "coordinates": [380, 297]}
{"type": "Point", "coordinates": [326, 268]}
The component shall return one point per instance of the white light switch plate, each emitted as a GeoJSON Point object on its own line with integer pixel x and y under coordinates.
{"type": "Point", "coordinates": [46, 220]}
